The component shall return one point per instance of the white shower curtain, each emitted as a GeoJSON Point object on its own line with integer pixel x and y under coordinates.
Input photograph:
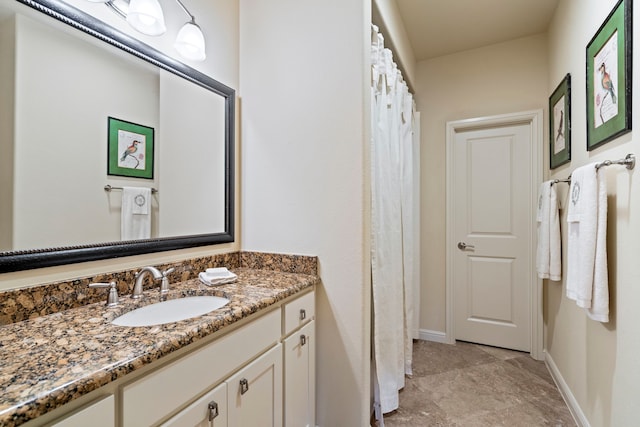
{"type": "Point", "coordinates": [394, 218]}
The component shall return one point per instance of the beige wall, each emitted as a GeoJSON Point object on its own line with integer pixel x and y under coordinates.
{"type": "Point", "coordinates": [305, 110]}
{"type": "Point", "coordinates": [498, 79]}
{"type": "Point", "coordinates": [598, 362]}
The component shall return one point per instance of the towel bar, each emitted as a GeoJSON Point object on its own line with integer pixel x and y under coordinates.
{"type": "Point", "coordinates": [629, 161]}
{"type": "Point", "coordinates": [108, 188]}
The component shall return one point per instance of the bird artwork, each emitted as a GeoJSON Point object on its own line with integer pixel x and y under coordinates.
{"type": "Point", "coordinates": [560, 132]}
{"type": "Point", "coordinates": [130, 150]}
{"type": "Point", "coordinates": [607, 83]}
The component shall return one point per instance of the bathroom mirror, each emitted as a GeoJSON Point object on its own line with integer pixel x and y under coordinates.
{"type": "Point", "coordinates": [54, 140]}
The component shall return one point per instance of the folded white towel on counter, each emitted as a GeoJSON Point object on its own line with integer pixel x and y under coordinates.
{"type": "Point", "coordinates": [217, 276]}
{"type": "Point", "coordinates": [548, 255]}
{"type": "Point", "coordinates": [135, 221]}
{"type": "Point", "coordinates": [587, 276]}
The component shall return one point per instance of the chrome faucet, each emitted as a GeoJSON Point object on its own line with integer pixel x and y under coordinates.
{"type": "Point", "coordinates": [137, 287]}
{"type": "Point", "coordinates": [157, 275]}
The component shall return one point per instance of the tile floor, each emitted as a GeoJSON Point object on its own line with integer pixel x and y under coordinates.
{"type": "Point", "coordinates": [469, 385]}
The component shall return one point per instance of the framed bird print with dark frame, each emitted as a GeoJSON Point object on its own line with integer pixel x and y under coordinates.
{"type": "Point", "coordinates": [130, 149]}
{"type": "Point", "coordinates": [560, 124]}
{"type": "Point", "coordinates": [609, 77]}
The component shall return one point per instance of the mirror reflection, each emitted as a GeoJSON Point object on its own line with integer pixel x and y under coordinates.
{"type": "Point", "coordinates": [169, 133]}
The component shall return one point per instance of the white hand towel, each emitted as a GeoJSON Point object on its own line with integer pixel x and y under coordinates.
{"type": "Point", "coordinates": [543, 253]}
{"type": "Point", "coordinates": [599, 309]}
{"type": "Point", "coordinates": [214, 280]}
{"type": "Point", "coordinates": [548, 255]}
{"type": "Point", "coordinates": [135, 221]}
{"type": "Point", "coordinates": [582, 219]}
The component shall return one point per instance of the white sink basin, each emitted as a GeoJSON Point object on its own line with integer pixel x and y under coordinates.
{"type": "Point", "coordinates": [170, 311]}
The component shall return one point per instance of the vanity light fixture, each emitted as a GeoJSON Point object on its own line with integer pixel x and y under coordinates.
{"type": "Point", "coordinates": [190, 40]}
{"type": "Point", "coordinates": [147, 17]}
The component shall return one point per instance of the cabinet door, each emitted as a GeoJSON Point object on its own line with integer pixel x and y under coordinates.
{"type": "Point", "coordinates": [299, 378]}
{"type": "Point", "coordinates": [208, 411]}
{"type": "Point", "coordinates": [99, 414]}
{"type": "Point", "coordinates": [255, 392]}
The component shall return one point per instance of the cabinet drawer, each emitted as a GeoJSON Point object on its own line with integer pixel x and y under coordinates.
{"type": "Point", "coordinates": [198, 414]}
{"type": "Point", "coordinates": [153, 397]}
{"type": "Point", "coordinates": [298, 312]}
{"type": "Point", "coordinates": [98, 414]}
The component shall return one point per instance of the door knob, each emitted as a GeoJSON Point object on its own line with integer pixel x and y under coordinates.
{"type": "Point", "coordinates": [463, 246]}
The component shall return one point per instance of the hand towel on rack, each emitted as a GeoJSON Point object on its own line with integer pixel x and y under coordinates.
{"type": "Point", "coordinates": [582, 219]}
{"type": "Point", "coordinates": [548, 255]}
{"type": "Point", "coordinates": [136, 214]}
{"type": "Point", "coordinates": [599, 309]}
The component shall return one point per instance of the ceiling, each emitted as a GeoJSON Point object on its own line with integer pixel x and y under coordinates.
{"type": "Point", "coordinates": [440, 27]}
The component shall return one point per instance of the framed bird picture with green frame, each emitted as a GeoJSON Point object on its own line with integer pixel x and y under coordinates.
{"type": "Point", "coordinates": [609, 77]}
{"type": "Point", "coordinates": [130, 149]}
{"type": "Point", "coordinates": [560, 124]}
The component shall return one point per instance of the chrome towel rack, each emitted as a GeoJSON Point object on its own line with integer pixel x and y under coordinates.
{"type": "Point", "coordinates": [109, 188]}
{"type": "Point", "coordinates": [567, 180]}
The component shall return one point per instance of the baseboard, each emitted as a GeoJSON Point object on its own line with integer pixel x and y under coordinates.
{"type": "Point", "coordinates": [436, 336]}
{"type": "Point", "coordinates": [565, 391]}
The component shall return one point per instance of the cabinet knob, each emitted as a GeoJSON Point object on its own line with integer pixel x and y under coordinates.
{"type": "Point", "coordinates": [303, 314]}
{"type": "Point", "coordinates": [244, 386]}
{"type": "Point", "coordinates": [303, 340]}
{"type": "Point", "coordinates": [213, 410]}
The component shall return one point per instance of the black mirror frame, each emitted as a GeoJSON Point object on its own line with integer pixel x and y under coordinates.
{"type": "Point", "coordinates": [39, 258]}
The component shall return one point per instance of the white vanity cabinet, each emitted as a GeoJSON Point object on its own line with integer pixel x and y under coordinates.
{"type": "Point", "coordinates": [259, 374]}
{"type": "Point", "coordinates": [148, 400]}
{"type": "Point", "coordinates": [299, 362]}
{"type": "Point", "coordinates": [208, 411]}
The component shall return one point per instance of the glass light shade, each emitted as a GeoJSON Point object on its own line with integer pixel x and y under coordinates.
{"type": "Point", "coordinates": [146, 16]}
{"type": "Point", "coordinates": [190, 42]}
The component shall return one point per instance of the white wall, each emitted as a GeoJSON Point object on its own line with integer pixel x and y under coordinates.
{"type": "Point", "coordinates": [186, 147]}
{"type": "Point", "coordinates": [502, 78]}
{"type": "Point", "coordinates": [305, 135]}
{"type": "Point", "coordinates": [598, 362]}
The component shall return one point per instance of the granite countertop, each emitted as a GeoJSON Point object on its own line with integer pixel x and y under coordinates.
{"type": "Point", "coordinates": [50, 360]}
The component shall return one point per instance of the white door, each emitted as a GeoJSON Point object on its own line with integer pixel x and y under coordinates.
{"type": "Point", "coordinates": [491, 220]}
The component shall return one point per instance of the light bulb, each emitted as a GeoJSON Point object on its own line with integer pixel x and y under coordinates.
{"type": "Point", "coordinates": [146, 16]}
{"type": "Point", "coordinates": [190, 42]}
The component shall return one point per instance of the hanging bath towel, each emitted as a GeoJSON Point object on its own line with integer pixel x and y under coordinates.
{"type": "Point", "coordinates": [548, 254]}
{"type": "Point", "coordinates": [136, 213]}
{"type": "Point", "coordinates": [599, 309]}
{"type": "Point", "coordinates": [587, 282]}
